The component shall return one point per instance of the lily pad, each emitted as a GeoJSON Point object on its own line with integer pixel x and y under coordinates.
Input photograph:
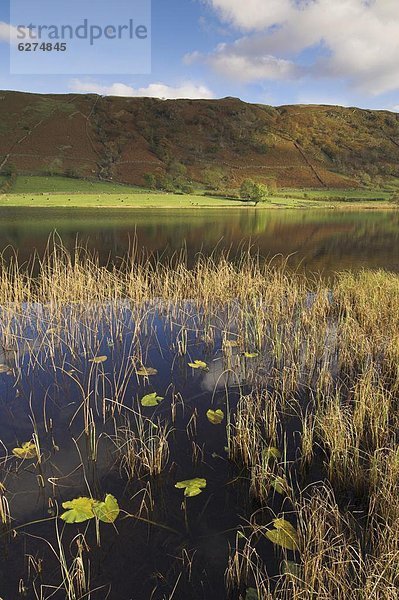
{"type": "Point", "coordinates": [151, 400]}
{"type": "Point", "coordinates": [146, 371]}
{"type": "Point", "coordinates": [251, 594]}
{"type": "Point", "coordinates": [199, 364]}
{"type": "Point", "coordinates": [251, 354]}
{"type": "Point", "coordinates": [4, 368]}
{"type": "Point", "coordinates": [191, 487]}
{"type": "Point", "coordinates": [107, 511]}
{"type": "Point", "coordinates": [284, 534]}
{"type": "Point", "coordinates": [78, 510]}
{"type": "Point", "coordinates": [98, 359]}
{"type": "Point", "coordinates": [27, 450]}
{"type": "Point", "coordinates": [215, 416]}
{"type": "Point", "coordinates": [279, 484]}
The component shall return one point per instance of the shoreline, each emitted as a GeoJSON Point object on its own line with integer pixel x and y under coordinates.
{"type": "Point", "coordinates": [197, 204]}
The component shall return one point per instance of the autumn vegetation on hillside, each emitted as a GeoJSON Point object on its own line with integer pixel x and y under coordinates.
{"type": "Point", "coordinates": [180, 144]}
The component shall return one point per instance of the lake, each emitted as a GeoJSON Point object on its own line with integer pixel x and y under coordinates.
{"type": "Point", "coordinates": [201, 405]}
{"type": "Point", "coordinates": [316, 240]}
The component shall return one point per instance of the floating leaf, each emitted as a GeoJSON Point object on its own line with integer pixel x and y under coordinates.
{"type": "Point", "coordinates": [107, 511]}
{"type": "Point", "coordinates": [98, 359]}
{"type": "Point", "coordinates": [284, 534]}
{"type": "Point", "coordinates": [191, 487]}
{"type": "Point", "coordinates": [251, 354]}
{"type": "Point", "coordinates": [251, 594]}
{"type": "Point", "coordinates": [271, 453]}
{"type": "Point", "coordinates": [215, 416]}
{"type": "Point", "coordinates": [147, 371]}
{"type": "Point", "coordinates": [151, 400]}
{"type": "Point", "coordinates": [27, 450]}
{"type": "Point", "coordinates": [289, 567]}
{"type": "Point", "coordinates": [198, 364]}
{"type": "Point", "coordinates": [79, 510]}
{"type": "Point", "coordinates": [279, 484]}
{"type": "Point", "coordinates": [4, 368]}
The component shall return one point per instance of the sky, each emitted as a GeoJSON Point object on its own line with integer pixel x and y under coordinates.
{"type": "Point", "coordinates": [275, 52]}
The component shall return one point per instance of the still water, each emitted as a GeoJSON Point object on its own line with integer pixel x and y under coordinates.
{"type": "Point", "coordinates": [316, 240]}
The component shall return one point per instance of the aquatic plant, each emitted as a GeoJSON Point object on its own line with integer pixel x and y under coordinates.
{"type": "Point", "coordinates": [191, 487]}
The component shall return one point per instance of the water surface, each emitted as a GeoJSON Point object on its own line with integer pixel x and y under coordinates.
{"type": "Point", "coordinates": [315, 240]}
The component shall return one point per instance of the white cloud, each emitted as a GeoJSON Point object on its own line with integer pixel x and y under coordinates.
{"type": "Point", "coordinates": [253, 14]}
{"type": "Point", "coordinates": [187, 89]}
{"type": "Point", "coordinates": [8, 33]}
{"type": "Point", "coordinates": [356, 40]}
{"type": "Point", "coordinates": [245, 69]}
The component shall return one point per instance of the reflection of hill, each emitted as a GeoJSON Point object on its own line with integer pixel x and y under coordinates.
{"type": "Point", "coordinates": [321, 239]}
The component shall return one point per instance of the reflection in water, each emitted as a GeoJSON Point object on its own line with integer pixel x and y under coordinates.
{"type": "Point", "coordinates": [318, 240]}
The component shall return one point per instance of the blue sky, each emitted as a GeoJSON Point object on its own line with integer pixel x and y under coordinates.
{"type": "Point", "coordinates": [270, 51]}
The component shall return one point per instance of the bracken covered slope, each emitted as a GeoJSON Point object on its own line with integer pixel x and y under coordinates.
{"type": "Point", "coordinates": [125, 138]}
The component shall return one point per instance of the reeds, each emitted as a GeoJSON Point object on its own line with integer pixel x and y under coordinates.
{"type": "Point", "coordinates": [320, 389]}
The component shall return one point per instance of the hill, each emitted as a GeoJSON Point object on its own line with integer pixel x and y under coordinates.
{"type": "Point", "coordinates": [217, 143]}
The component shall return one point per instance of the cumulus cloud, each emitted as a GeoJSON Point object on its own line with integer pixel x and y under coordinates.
{"type": "Point", "coordinates": [253, 14]}
{"type": "Point", "coordinates": [355, 40]}
{"type": "Point", "coordinates": [154, 90]}
{"type": "Point", "coordinates": [245, 69]}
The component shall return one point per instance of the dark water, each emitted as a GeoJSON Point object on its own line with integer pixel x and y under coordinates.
{"type": "Point", "coordinates": [49, 387]}
{"type": "Point", "coordinates": [43, 391]}
{"type": "Point", "coordinates": [318, 240]}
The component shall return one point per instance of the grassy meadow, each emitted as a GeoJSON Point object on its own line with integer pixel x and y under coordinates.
{"type": "Point", "coordinates": [232, 422]}
{"type": "Point", "coordinates": [64, 192]}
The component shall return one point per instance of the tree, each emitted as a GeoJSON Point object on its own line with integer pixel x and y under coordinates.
{"type": "Point", "coordinates": [260, 193]}
{"type": "Point", "coordinates": [395, 198]}
{"type": "Point", "coordinates": [251, 190]}
{"type": "Point", "coordinates": [246, 189]}
{"type": "Point", "coordinates": [213, 178]}
{"type": "Point", "coordinates": [150, 181]}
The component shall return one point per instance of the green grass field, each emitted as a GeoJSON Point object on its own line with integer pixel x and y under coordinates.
{"type": "Point", "coordinates": [65, 185]}
{"type": "Point", "coordinates": [56, 191]}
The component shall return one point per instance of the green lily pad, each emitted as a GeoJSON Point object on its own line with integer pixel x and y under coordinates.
{"type": "Point", "coordinates": [151, 400]}
{"type": "Point", "coordinates": [198, 364]}
{"type": "Point", "coordinates": [284, 534]}
{"type": "Point", "coordinates": [79, 510]}
{"type": "Point", "coordinates": [215, 416]}
{"type": "Point", "coordinates": [191, 487]}
{"type": "Point", "coordinates": [279, 484]}
{"type": "Point", "coordinates": [107, 511]}
{"type": "Point", "coordinates": [27, 450]}
{"type": "Point", "coordinates": [251, 354]}
{"type": "Point", "coordinates": [251, 594]}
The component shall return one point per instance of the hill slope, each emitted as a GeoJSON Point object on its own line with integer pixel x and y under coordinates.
{"type": "Point", "coordinates": [230, 140]}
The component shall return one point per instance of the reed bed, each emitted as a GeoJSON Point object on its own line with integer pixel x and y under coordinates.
{"type": "Point", "coordinates": [310, 373]}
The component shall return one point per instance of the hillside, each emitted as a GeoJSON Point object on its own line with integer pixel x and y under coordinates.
{"type": "Point", "coordinates": [213, 142]}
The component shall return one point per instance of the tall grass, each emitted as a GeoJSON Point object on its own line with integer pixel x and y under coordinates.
{"type": "Point", "coordinates": [321, 388]}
